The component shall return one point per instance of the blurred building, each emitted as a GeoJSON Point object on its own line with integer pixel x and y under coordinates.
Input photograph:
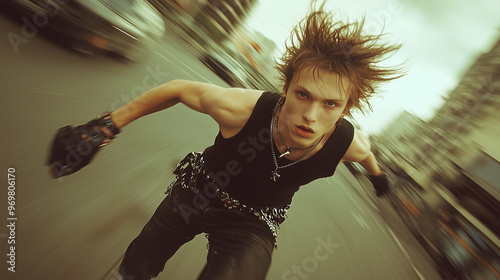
{"type": "Point", "coordinates": [257, 52]}
{"type": "Point", "coordinates": [207, 22]}
{"type": "Point", "coordinates": [466, 127]}
{"type": "Point", "coordinates": [220, 18]}
{"type": "Point", "coordinates": [469, 121]}
{"type": "Point", "coordinates": [456, 154]}
{"type": "Point", "coordinates": [265, 58]}
{"type": "Point", "coordinates": [218, 27]}
{"type": "Point", "coordinates": [398, 133]}
{"type": "Point", "coordinates": [397, 141]}
{"type": "Point", "coordinates": [223, 21]}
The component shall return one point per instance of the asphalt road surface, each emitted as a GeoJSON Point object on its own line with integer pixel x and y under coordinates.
{"type": "Point", "coordinates": [78, 227]}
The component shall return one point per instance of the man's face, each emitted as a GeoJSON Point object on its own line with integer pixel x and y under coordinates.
{"type": "Point", "coordinates": [315, 101]}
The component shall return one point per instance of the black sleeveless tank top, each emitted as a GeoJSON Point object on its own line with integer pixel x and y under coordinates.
{"type": "Point", "coordinates": [242, 164]}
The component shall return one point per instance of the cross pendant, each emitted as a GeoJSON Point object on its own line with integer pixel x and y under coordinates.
{"type": "Point", "coordinates": [285, 153]}
{"type": "Point", "coordinates": [275, 175]}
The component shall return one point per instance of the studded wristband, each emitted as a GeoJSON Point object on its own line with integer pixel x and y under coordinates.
{"type": "Point", "coordinates": [106, 121]}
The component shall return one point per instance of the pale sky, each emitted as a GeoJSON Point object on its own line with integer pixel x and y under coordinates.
{"type": "Point", "coordinates": [440, 40]}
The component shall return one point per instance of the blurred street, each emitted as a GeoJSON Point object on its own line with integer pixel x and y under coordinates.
{"type": "Point", "coordinates": [78, 227]}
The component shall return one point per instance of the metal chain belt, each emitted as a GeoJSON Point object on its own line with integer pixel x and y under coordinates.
{"type": "Point", "coordinates": [192, 169]}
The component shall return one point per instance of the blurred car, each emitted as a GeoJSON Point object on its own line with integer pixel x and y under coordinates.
{"type": "Point", "coordinates": [461, 247]}
{"type": "Point", "coordinates": [227, 68]}
{"type": "Point", "coordinates": [91, 26]}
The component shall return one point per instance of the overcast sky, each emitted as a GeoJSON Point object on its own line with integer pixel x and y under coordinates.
{"type": "Point", "coordinates": [440, 40]}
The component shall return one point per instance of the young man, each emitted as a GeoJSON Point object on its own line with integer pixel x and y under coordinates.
{"type": "Point", "coordinates": [239, 190]}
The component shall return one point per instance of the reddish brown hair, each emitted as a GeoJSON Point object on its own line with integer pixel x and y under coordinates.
{"type": "Point", "coordinates": [341, 48]}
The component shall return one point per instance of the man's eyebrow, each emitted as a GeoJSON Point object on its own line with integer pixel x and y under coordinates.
{"type": "Point", "coordinates": [302, 88]}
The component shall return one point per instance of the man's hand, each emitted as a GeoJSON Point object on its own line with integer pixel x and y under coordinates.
{"type": "Point", "coordinates": [74, 147]}
{"type": "Point", "coordinates": [380, 183]}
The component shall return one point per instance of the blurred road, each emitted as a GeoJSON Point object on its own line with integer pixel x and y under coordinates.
{"type": "Point", "coordinates": [78, 227]}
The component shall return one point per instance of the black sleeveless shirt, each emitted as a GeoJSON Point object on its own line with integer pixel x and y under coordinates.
{"type": "Point", "coordinates": [242, 164]}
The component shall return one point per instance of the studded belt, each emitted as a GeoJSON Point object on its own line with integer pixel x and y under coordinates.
{"type": "Point", "coordinates": [191, 172]}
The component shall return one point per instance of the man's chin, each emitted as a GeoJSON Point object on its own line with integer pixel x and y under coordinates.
{"type": "Point", "coordinates": [301, 142]}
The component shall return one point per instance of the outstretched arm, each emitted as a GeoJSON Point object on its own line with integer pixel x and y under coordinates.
{"type": "Point", "coordinates": [360, 151]}
{"type": "Point", "coordinates": [74, 147]}
{"type": "Point", "coordinates": [230, 108]}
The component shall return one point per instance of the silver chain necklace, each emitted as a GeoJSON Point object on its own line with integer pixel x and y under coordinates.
{"type": "Point", "coordinates": [275, 173]}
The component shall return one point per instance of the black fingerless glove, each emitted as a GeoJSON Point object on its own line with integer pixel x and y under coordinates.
{"type": "Point", "coordinates": [380, 183]}
{"type": "Point", "coordinates": [74, 147]}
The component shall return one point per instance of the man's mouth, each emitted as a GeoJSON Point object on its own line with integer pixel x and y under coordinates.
{"type": "Point", "coordinates": [304, 131]}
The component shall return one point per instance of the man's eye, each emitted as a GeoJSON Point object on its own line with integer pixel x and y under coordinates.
{"type": "Point", "coordinates": [302, 94]}
{"type": "Point", "coordinates": [331, 104]}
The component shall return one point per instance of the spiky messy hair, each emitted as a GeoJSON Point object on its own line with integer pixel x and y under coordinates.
{"type": "Point", "coordinates": [341, 48]}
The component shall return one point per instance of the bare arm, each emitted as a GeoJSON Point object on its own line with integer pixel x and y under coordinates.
{"type": "Point", "coordinates": [359, 151]}
{"type": "Point", "coordinates": [230, 108]}
{"type": "Point", "coordinates": [371, 165]}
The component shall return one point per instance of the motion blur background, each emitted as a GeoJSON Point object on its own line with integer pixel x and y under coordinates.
{"type": "Point", "coordinates": [435, 133]}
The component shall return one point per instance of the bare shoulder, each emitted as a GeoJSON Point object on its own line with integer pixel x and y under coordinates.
{"type": "Point", "coordinates": [230, 107]}
{"type": "Point", "coordinates": [359, 148]}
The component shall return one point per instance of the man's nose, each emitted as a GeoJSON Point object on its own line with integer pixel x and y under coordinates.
{"type": "Point", "coordinates": [310, 113]}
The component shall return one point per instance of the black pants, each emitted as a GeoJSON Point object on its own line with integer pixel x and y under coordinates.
{"type": "Point", "coordinates": [240, 245]}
